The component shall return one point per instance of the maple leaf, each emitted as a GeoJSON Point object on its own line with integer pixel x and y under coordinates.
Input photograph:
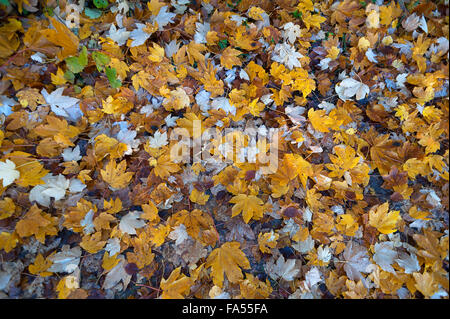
{"type": "Point", "coordinates": [8, 172]}
{"type": "Point", "coordinates": [179, 234]}
{"type": "Point", "coordinates": [252, 288]}
{"type": "Point", "coordinates": [227, 259]}
{"type": "Point", "coordinates": [291, 32]}
{"type": "Point", "coordinates": [343, 161]}
{"type": "Point", "coordinates": [163, 166]}
{"type": "Point", "coordinates": [198, 197]}
{"type": "Point", "coordinates": [54, 186]}
{"type": "Point", "coordinates": [383, 221]}
{"type": "Point", "coordinates": [350, 87]}
{"type": "Point", "coordinates": [63, 37]}
{"type": "Point", "coordinates": [5, 105]}
{"type": "Point", "coordinates": [30, 97]}
{"type": "Point", "coordinates": [319, 120]}
{"type": "Point", "coordinates": [92, 243]}
{"type": "Point", "coordinates": [429, 244]}
{"type": "Point", "coordinates": [285, 269]}
{"type": "Point", "coordinates": [229, 58]}
{"type": "Point", "coordinates": [267, 241]}
{"type": "Point", "coordinates": [409, 262]}
{"type": "Point", "coordinates": [286, 54]}
{"type": "Point", "coordinates": [249, 205]}
{"type": "Point", "coordinates": [7, 208]}
{"type": "Point", "coordinates": [40, 266]}
{"type": "Point", "coordinates": [120, 36]}
{"type": "Point", "coordinates": [109, 262]}
{"type": "Point", "coordinates": [164, 17]}
{"type": "Point", "coordinates": [384, 255]}
{"type": "Point", "coordinates": [8, 241]}
{"type": "Point", "coordinates": [142, 255]}
{"type": "Point", "coordinates": [312, 20]}
{"type": "Point", "coordinates": [116, 275]}
{"type": "Point", "coordinates": [32, 221]}
{"type": "Point", "coordinates": [158, 140]}
{"type": "Point", "coordinates": [177, 286]}
{"type": "Point", "coordinates": [67, 260]}
{"type": "Point", "coordinates": [197, 223]}
{"type": "Point", "coordinates": [357, 261]}
{"type": "Point", "coordinates": [62, 105]}
{"type": "Point", "coordinates": [130, 222]}
{"type": "Point", "coordinates": [115, 175]}
{"type": "Point", "coordinates": [425, 283]}
{"type": "Point", "coordinates": [105, 145]}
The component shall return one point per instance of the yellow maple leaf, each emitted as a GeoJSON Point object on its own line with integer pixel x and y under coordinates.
{"type": "Point", "coordinates": [417, 214]}
{"type": "Point", "coordinates": [255, 107]}
{"type": "Point", "coordinates": [227, 259]}
{"type": "Point", "coordinates": [197, 223]}
{"type": "Point", "coordinates": [246, 38]}
{"type": "Point", "coordinates": [150, 212]}
{"type": "Point", "coordinates": [383, 221]}
{"type": "Point", "coordinates": [30, 97]}
{"type": "Point", "coordinates": [158, 234]}
{"type": "Point", "coordinates": [164, 167]}
{"type": "Point", "coordinates": [109, 262]}
{"type": "Point", "coordinates": [40, 266]}
{"type": "Point", "coordinates": [8, 241]}
{"type": "Point", "coordinates": [154, 6]}
{"type": "Point", "coordinates": [119, 105]}
{"type": "Point", "coordinates": [198, 197]}
{"type": "Point", "coordinates": [319, 120]}
{"type": "Point", "coordinates": [103, 221]}
{"type": "Point", "coordinates": [93, 243]}
{"type": "Point", "coordinates": [156, 53]}
{"type": "Point", "coordinates": [177, 286]}
{"type": "Point", "coordinates": [267, 241]}
{"type": "Point", "coordinates": [58, 78]}
{"type": "Point", "coordinates": [343, 161]}
{"type": "Point", "coordinates": [426, 284]}
{"type": "Point", "coordinates": [177, 100]}
{"type": "Point", "coordinates": [249, 205]}
{"type": "Point", "coordinates": [112, 206]}
{"type": "Point", "coordinates": [253, 288]}
{"type": "Point", "coordinates": [59, 130]}
{"type": "Point", "coordinates": [31, 222]}
{"type": "Point", "coordinates": [142, 255]}
{"type": "Point", "coordinates": [120, 66]}
{"type": "Point", "coordinates": [7, 208]}
{"type": "Point", "coordinates": [211, 84]}
{"type": "Point", "coordinates": [312, 20]}
{"type": "Point", "coordinates": [347, 225]}
{"type": "Point", "coordinates": [66, 285]}
{"type": "Point", "coordinates": [115, 175]}
{"type": "Point", "coordinates": [63, 37]}
{"type": "Point", "coordinates": [229, 58]}
{"type": "Point", "coordinates": [105, 145]}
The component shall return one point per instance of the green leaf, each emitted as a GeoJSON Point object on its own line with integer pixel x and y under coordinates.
{"type": "Point", "coordinates": [92, 13]}
{"type": "Point", "coordinates": [69, 76]}
{"type": "Point", "coordinates": [101, 60]}
{"type": "Point", "coordinates": [297, 14]}
{"type": "Point", "coordinates": [4, 2]}
{"type": "Point", "coordinates": [101, 4]}
{"type": "Point", "coordinates": [111, 74]}
{"type": "Point", "coordinates": [77, 64]}
{"type": "Point", "coordinates": [223, 44]}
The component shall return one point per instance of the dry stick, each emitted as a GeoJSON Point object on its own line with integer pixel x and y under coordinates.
{"type": "Point", "coordinates": [146, 286]}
